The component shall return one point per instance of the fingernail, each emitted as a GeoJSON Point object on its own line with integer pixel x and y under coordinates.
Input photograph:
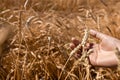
{"type": "Point", "coordinates": [72, 46]}
{"type": "Point", "coordinates": [73, 38]}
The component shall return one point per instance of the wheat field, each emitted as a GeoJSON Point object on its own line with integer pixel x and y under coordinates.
{"type": "Point", "coordinates": [38, 48]}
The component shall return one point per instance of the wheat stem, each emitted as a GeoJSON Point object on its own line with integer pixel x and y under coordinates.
{"type": "Point", "coordinates": [75, 50]}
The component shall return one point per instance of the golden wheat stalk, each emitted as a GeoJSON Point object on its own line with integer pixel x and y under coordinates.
{"type": "Point", "coordinates": [25, 4]}
{"type": "Point", "coordinates": [75, 50]}
{"type": "Point", "coordinates": [5, 11]}
{"type": "Point", "coordinates": [29, 20]}
{"type": "Point", "coordinates": [83, 58]}
{"type": "Point", "coordinates": [117, 52]}
{"type": "Point", "coordinates": [17, 71]}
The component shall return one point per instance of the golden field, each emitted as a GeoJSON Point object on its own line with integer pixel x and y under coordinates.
{"type": "Point", "coordinates": [38, 48]}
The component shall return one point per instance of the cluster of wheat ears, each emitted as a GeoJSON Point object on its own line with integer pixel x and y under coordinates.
{"type": "Point", "coordinates": [38, 45]}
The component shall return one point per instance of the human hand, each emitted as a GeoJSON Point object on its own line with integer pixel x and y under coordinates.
{"type": "Point", "coordinates": [5, 31]}
{"type": "Point", "coordinates": [103, 52]}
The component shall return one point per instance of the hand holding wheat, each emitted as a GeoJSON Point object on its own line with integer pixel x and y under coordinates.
{"type": "Point", "coordinates": [103, 52]}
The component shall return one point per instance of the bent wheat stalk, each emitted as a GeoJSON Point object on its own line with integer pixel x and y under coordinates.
{"type": "Point", "coordinates": [75, 50]}
{"type": "Point", "coordinates": [83, 57]}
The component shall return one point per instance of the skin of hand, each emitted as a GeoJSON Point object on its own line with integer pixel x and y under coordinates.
{"type": "Point", "coordinates": [104, 52]}
{"type": "Point", "coordinates": [5, 30]}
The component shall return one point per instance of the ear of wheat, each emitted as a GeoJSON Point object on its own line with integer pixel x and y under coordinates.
{"type": "Point", "coordinates": [84, 40]}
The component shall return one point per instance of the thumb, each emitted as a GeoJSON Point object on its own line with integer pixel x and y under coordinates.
{"type": "Point", "coordinates": [98, 35]}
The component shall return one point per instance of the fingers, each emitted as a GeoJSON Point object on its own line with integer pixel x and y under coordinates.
{"type": "Point", "coordinates": [75, 41]}
{"type": "Point", "coordinates": [98, 35]}
{"type": "Point", "coordinates": [78, 54]}
{"type": "Point", "coordinates": [74, 44]}
{"type": "Point", "coordinates": [89, 46]}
